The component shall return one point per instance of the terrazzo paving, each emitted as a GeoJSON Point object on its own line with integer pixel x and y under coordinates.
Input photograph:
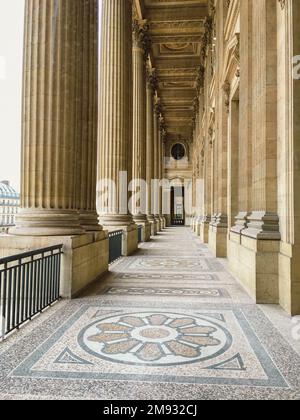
{"type": "Point", "coordinates": [169, 322]}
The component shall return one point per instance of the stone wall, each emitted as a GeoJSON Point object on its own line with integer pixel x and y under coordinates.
{"type": "Point", "coordinates": [247, 145]}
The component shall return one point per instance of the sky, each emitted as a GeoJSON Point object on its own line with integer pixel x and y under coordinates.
{"type": "Point", "coordinates": [11, 57]}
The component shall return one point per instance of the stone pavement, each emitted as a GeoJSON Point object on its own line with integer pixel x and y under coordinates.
{"type": "Point", "coordinates": [169, 322]}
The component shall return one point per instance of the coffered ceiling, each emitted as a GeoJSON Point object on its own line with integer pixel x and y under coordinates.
{"type": "Point", "coordinates": [176, 29]}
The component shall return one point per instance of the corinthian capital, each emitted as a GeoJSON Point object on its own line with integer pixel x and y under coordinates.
{"type": "Point", "coordinates": [141, 37]}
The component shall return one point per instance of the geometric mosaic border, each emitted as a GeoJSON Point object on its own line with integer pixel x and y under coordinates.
{"type": "Point", "coordinates": [275, 379]}
{"type": "Point", "coordinates": [203, 293]}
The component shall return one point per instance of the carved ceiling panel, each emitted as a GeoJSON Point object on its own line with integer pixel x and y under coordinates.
{"type": "Point", "coordinates": [176, 30]}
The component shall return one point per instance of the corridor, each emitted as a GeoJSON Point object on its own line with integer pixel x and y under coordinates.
{"type": "Point", "coordinates": [169, 322]}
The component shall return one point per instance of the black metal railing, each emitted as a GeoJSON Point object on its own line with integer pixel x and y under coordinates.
{"type": "Point", "coordinates": [115, 245]}
{"type": "Point", "coordinates": [29, 283]}
{"type": "Point", "coordinates": [140, 234]}
{"type": "Point", "coordinates": [178, 222]}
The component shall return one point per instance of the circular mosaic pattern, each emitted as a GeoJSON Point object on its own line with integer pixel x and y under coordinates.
{"type": "Point", "coordinates": [158, 339]}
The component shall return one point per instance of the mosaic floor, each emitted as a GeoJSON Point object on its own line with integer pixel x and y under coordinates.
{"type": "Point", "coordinates": [168, 323]}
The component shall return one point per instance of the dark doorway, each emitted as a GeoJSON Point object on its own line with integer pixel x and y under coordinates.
{"type": "Point", "coordinates": [177, 206]}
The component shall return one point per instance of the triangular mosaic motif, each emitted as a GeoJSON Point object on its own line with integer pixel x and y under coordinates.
{"type": "Point", "coordinates": [235, 363]}
{"type": "Point", "coordinates": [68, 357]}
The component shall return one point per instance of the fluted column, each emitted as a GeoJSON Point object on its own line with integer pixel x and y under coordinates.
{"type": "Point", "coordinates": [87, 115]}
{"type": "Point", "coordinates": [115, 106]}
{"type": "Point", "coordinates": [150, 88]}
{"type": "Point", "coordinates": [155, 194]}
{"type": "Point", "coordinates": [161, 176]}
{"type": "Point", "coordinates": [140, 53]}
{"type": "Point", "coordinates": [49, 140]}
{"type": "Point", "coordinates": [264, 221]}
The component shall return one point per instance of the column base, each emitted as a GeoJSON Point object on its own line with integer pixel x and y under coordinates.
{"type": "Point", "coordinates": [47, 223]}
{"type": "Point", "coordinates": [263, 226]}
{"type": "Point", "coordinates": [255, 263]}
{"type": "Point", "coordinates": [241, 221]}
{"type": "Point", "coordinates": [89, 221]}
{"type": "Point", "coordinates": [84, 259]}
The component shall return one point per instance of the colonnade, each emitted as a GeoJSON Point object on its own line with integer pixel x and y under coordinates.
{"type": "Point", "coordinates": [80, 130]}
{"type": "Point", "coordinates": [246, 135]}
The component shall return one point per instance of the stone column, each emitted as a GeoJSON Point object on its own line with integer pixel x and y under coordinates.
{"type": "Point", "coordinates": [156, 116]}
{"type": "Point", "coordinates": [49, 138]}
{"type": "Point", "coordinates": [115, 125]}
{"type": "Point", "coordinates": [258, 240]}
{"type": "Point", "coordinates": [264, 221]}
{"type": "Point", "coordinates": [140, 53]}
{"type": "Point", "coordinates": [160, 171]}
{"type": "Point", "coordinates": [87, 116]}
{"type": "Point", "coordinates": [218, 232]}
{"type": "Point", "coordinates": [59, 90]}
{"type": "Point", "coordinates": [150, 89]}
{"type": "Point", "coordinates": [288, 14]}
{"type": "Point", "coordinates": [204, 230]}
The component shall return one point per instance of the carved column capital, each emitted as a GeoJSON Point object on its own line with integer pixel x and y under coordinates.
{"type": "Point", "coordinates": [141, 37]}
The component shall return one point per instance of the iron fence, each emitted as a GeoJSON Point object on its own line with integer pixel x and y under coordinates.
{"type": "Point", "coordinates": [115, 245]}
{"type": "Point", "coordinates": [140, 234]}
{"type": "Point", "coordinates": [29, 283]}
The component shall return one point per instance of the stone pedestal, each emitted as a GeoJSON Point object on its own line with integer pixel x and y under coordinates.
{"type": "Point", "coordinates": [84, 259]}
{"type": "Point", "coordinates": [130, 239]}
{"type": "Point", "coordinates": [158, 223]}
{"type": "Point", "coordinates": [162, 222]}
{"type": "Point", "coordinates": [198, 223]}
{"type": "Point", "coordinates": [255, 264]}
{"type": "Point", "coordinates": [289, 278]}
{"type": "Point", "coordinates": [218, 232]}
{"type": "Point", "coordinates": [146, 231]}
{"type": "Point", "coordinates": [204, 229]}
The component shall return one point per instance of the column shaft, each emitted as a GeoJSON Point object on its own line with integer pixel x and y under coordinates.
{"type": "Point", "coordinates": [139, 121]}
{"type": "Point", "coordinates": [150, 142]}
{"type": "Point", "coordinates": [264, 221]}
{"type": "Point", "coordinates": [115, 131]}
{"type": "Point", "coordinates": [87, 115]}
{"type": "Point", "coordinates": [156, 165]}
{"type": "Point", "coordinates": [49, 140]}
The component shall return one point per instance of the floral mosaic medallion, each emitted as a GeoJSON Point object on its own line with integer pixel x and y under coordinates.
{"type": "Point", "coordinates": [158, 339]}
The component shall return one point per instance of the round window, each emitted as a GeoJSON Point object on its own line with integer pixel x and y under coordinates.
{"type": "Point", "coordinates": [178, 151]}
